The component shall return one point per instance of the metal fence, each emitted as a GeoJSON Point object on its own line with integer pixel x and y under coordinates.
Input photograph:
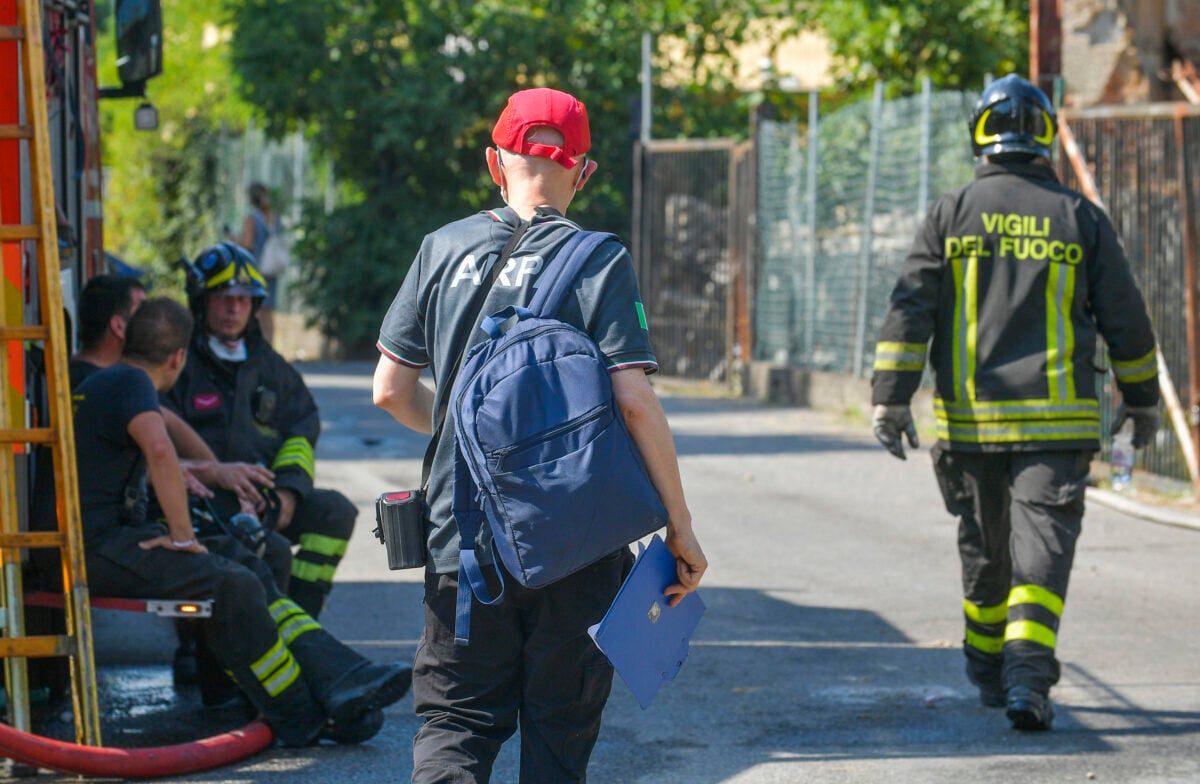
{"type": "Point", "coordinates": [1143, 160]}
{"type": "Point", "coordinates": [837, 210]}
{"type": "Point", "coordinates": [786, 249]}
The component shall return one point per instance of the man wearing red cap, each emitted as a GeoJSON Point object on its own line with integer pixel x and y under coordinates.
{"type": "Point", "coordinates": [530, 661]}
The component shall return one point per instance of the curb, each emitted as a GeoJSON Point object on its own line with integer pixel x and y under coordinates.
{"type": "Point", "coordinates": [1155, 514]}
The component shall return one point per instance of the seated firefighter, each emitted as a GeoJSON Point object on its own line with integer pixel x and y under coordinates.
{"type": "Point", "coordinates": [249, 405]}
{"type": "Point", "coordinates": [106, 304]}
{"type": "Point", "coordinates": [306, 683]}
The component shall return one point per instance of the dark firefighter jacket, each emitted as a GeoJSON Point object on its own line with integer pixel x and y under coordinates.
{"type": "Point", "coordinates": [256, 411]}
{"type": "Point", "coordinates": [1012, 276]}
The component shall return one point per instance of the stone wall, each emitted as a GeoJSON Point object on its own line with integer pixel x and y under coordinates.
{"type": "Point", "coordinates": [1119, 51]}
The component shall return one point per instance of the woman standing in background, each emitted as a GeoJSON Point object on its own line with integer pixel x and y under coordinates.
{"type": "Point", "coordinates": [260, 224]}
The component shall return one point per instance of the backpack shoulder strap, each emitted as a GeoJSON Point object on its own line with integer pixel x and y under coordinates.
{"type": "Point", "coordinates": [565, 269]}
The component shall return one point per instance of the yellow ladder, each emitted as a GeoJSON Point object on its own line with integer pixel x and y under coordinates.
{"type": "Point", "coordinates": [42, 236]}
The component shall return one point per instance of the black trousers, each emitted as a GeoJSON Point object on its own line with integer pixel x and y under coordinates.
{"type": "Point", "coordinates": [241, 627]}
{"type": "Point", "coordinates": [530, 664]}
{"type": "Point", "coordinates": [321, 525]}
{"type": "Point", "coordinates": [1019, 517]}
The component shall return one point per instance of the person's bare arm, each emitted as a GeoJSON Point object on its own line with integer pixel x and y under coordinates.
{"type": "Point", "coordinates": [647, 425]}
{"type": "Point", "coordinates": [247, 238]}
{"type": "Point", "coordinates": [398, 390]}
{"type": "Point", "coordinates": [149, 431]}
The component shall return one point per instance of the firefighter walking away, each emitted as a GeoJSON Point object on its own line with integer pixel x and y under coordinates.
{"type": "Point", "coordinates": [1009, 284]}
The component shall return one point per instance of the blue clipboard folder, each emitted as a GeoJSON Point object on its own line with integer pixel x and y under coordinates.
{"type": "Point", "coordinates": [645, 639]}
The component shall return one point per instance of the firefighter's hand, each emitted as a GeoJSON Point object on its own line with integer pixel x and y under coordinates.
{"type": "Point", "coordinates": [244, 479]}
{"type": "Point", "coordinates": [1145, 423]}
{"type": "Point", "coordinates": [890, 421]}
{"type": "Point", "coordinates": [194, 486]}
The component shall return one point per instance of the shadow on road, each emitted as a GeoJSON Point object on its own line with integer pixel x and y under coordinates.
{"type": "Point", "coordinates": [770, 681]}
{"type": "Point", "coordinates": [773, 681]}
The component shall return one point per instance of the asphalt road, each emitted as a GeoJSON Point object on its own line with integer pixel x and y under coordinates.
{"type": "Point", "coordinates": [830, 651]}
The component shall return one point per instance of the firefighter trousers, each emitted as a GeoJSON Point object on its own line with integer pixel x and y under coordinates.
{"type": "Point", "coordinates": [321, 525]}
{"type": "Point", "coordinates": [1019, 516]}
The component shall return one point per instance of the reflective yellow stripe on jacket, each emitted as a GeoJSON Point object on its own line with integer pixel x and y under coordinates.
{"type": "Point", "coordinates": [1061, 416]}
{"type": "Point", "coordinates": [1132, 371]}
{"type": "Point", "coordinates": [899, 356]}
{"type": "Point", "coordinates": [296, 451]}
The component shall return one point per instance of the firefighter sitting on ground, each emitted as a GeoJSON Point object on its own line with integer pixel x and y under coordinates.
{"type": "Point", "coordinates": [1014, 277]}
{"type": "Point", "coordinates": [251, 406]}
{"type": "Point", "coordinates": [306, 683]}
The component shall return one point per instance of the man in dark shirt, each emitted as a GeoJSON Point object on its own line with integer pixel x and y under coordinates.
{"type": "Point", "coordinates": [530, 662]}
{"type": "Point", "coordinates": [106, 304]}
{"type": "Point", "coordinates": [306, 684]}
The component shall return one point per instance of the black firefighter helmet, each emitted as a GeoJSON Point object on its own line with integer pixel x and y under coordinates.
{"type": "Point", "coordinates": [225, 267]}
{"type": "Point", "coordinates": [1012, 116]}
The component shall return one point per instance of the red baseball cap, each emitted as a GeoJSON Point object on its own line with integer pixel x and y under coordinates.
{"type": "Point", "coordinates": [542, 106]}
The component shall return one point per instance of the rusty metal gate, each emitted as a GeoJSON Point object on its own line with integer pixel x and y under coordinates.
{"type": "Point", "coordinates": [682, 249]}
{"type": "Point", "coordinates": [1144, 162]}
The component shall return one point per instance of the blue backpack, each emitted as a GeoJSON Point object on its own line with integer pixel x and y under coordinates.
{"type": "Point", "coordinates": [541, 449]}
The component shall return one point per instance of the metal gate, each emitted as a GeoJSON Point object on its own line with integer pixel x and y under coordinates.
{"type": "Point", "coordinates": [683, 192]}
{"type": "Point", "coordinates": [1143, 160]}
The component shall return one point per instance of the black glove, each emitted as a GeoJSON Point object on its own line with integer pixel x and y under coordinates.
{"type": "Point", "coordinates": [1145, 423]}
{"type": "Point", "coordinates": [892, 420]}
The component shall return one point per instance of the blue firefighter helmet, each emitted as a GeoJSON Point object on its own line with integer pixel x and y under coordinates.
{"type": "Point", "coordinates": [225, 267]}
{"type": "Point", "coordinates": [1012, 116]}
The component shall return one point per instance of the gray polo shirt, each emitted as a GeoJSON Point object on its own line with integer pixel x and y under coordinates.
{"type": "Point", "coordinates": [428, 324]}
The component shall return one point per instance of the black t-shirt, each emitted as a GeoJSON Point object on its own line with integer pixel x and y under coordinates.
{"type": "Point", "coordinates": [428, 323]}
{"type": "Point", "coordinates": [112, 473]}
{"type": "Point", "coordinates": [79, 370]}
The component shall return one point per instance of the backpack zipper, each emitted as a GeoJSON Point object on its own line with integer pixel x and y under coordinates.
{"type": "Point", "coordinates": [557, 430]}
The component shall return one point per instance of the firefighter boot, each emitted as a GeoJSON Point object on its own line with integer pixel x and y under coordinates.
{"type": "Point", "coordinates": [359, 730]}
{"type": "Point", "coordinates": [990, 682]}
{"type": "Point", "coordinates": [1029, 709]}
{"type": "Point", "coordinates": [344, 683]}
{"type": "Point", "coordinates": [273, 683]}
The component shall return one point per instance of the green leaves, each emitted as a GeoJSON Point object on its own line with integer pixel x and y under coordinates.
{"type": "Point", "coordinates": [954, 44]}
{"type": "Point", "coordinates": [401, 96]}
{"type": "Point", "coordinates": [161, 186]}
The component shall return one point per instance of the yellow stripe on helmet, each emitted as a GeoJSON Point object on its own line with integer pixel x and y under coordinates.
{"type": "Point", "coordinates": [980, 139]}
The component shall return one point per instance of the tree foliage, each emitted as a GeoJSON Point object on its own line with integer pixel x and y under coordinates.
{"type": "Point", "coordinates": [955, 44]}
{"type": "Point", "coordinates": [401, 96]}
{"type": "Point", "coordinates": [162, 189]}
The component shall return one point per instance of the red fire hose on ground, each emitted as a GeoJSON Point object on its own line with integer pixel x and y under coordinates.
{"type": "Point", "coordinates": [183, 758]}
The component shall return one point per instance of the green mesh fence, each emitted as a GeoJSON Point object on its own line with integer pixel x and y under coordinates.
{"type": "Point", "coordinates": [837, 211]}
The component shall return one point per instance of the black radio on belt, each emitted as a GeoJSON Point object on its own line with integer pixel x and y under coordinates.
{"type": "Point", "coordinates": [400, 525]}
{"type": "Point", "coordinates": [263, 405]}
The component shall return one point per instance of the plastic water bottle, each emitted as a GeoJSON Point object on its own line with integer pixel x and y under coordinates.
{"type": "Point", "coordinates": [1122, 456]}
